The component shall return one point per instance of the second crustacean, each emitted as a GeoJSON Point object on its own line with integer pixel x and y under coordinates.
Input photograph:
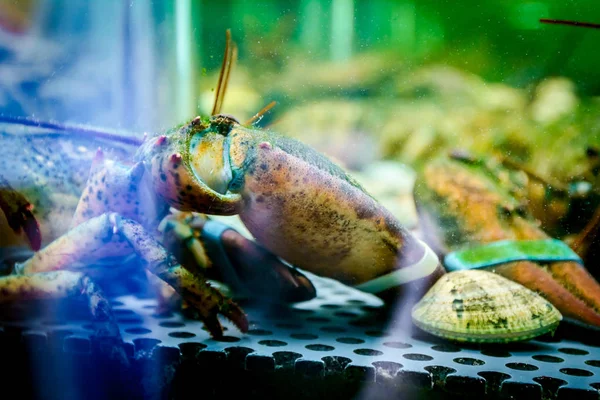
{"type": "Point", "coordinates": [469, 213]}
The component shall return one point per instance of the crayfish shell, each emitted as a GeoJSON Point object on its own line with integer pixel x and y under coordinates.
{"type": "Point", "coordinates": [481, 306]}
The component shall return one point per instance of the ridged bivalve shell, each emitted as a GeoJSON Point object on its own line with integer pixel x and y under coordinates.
{"type": "Point", "coordinates": [481, 306]}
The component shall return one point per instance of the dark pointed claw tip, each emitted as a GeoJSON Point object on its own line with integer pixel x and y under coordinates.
{"type": "Point", "coordinates": [213, 326]}
{"type": "Point", "coordinates": [24, 220]}
{"type": "Point", "coordinates": [235, 314]}
{"type": "Point", "coordinates": [32, 230]}
{"type": "Point", "coordinates": [304, 292]}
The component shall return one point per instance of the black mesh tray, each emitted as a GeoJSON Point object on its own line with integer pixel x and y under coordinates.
{"type": "Point", "coordinates": [340, 344]}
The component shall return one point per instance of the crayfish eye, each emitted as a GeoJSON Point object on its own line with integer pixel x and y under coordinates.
{"type": "Point", "coordinates": [209, 159]}
{"type": "Point", "coordinates": [223, 123]}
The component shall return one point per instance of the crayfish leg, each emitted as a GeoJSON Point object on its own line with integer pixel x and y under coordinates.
{"type": "Point", "coordinates": [107, 234]}
{"type": "Point", "coordinates": [225, 255]}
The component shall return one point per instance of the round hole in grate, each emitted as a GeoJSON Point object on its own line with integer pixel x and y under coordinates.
{"type": "Point", "coordinates": [349, 340]}
{"type": "Point", "coordinates": [347, 314]}
{"type": "Point", "coordinates": [182, 334]}
{"type": "Point", "coordinates": [304, 336]}
{"type": "Point", "coordinates": [355, 301]}
{"type": "Point", "coordinates": [333, 329]}
{"type": "Point", "coordinates": [335, 364]}
{"type": "Point", "coordinates": [273, 343]}
{"type": "Point", "coordinates": [549, 384]}
{"type": "Point", "coordinates": [302, 311]}
{"type": "Point", "coordinates": [572, 351]}
{"type": "Point", "coordinates": [522, 367]}
{"type": "Point", "coordinates": [319, 347]}
{"type": "Point", "coordinates": [398, 345]}
{"type": "Point", "coordinates": [129, 320]}
{"type": "Point", "coordinates": [331, 306]}
{"type": "Point", "coordinates": [259, 332]}
{"type": "Point", "coordinates": [237, 354]}
{"type": "Point", "coordinates": [547, 358]}
{"type": "Point", "coordinates": [163, 315]}
{"type": "Point", "coordinates": [439, 373]}
{"type": "Point", "coordinates": [496, 353]}
{"type": "Point", "coordinates": [388, 369]}
{"type": "Point", "coordinates": [138, 331]}
{"type": "Point", "coordinates": [318, 319]}
{"type": "Point", "coordinates": [286, 358]}
{"type": "Point", "coordinates": [191, 348]}
{"type": "Point", "coordinates": [468, 361]}
{"type": "Point", "coordinates": [377, 333]}
{"type": "Point", "coordinates": [575, 372]}
{"type": "Point", "coordinates": [493, 379]}
{"type": "Point", "coordinates": [417, 357]}
{"type": "Point", "coordinates": [170, 324]}
{"type": "Point", "coordinates": [289, 325]}
{"type": "Point", "coordinates": [593, 363]}
{"type": "Point", "coordinates": [368, 352]}
{"type": "Point", "coordinates": [228, 339]}
{"type": "Point", "coordinates": [446, 348]}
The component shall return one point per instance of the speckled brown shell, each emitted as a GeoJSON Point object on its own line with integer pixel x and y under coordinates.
{"type": "Point", "coordinates": [481, 306]}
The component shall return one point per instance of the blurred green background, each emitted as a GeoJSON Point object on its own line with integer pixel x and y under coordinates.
{"type": "Point", "coordinates": [498, 40]}
{"type": "Point", "coordinates": [361, 80]}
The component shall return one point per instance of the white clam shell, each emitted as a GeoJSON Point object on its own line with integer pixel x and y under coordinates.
{"type": "Point", "coordinates": [481, 306]}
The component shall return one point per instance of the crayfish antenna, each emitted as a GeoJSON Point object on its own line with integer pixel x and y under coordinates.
{"type": "Point", "coordinates": [262, 112]}
{"type": "Point", "coordinates": [548, 182]}
{"type": "Point", "coordinates": [569, 22]}
{"type": "Point", "coordinates": [229, 58]}
{"type": "Point", "coordinates": [582, 242]}
{"type": "Point", "coordinates": [102, 133]}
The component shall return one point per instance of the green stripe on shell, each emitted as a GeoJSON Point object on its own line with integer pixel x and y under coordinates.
{"type": "Point", "coordinates": [481, 306]}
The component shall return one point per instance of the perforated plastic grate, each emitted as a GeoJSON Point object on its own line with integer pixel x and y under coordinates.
{"type": "Point", "coordinates": [342, 332]}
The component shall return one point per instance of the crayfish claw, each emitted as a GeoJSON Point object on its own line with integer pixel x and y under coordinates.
{"type": "Point", "coordinates": [232, 312]}
{"type": "Point", "coordinates": [213, 326]}
{"type": "Point", "coordinates": [19, 215]}
{"type": "Point", "coordinates": [206, 302]}
{"type": "Point", "coordinates": [235, 314]}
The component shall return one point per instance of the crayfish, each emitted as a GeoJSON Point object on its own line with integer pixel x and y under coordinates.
{"type": "Point", "coordinates": [464, 202]}
{"type": "Point", "coordinates": [299, 206]}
